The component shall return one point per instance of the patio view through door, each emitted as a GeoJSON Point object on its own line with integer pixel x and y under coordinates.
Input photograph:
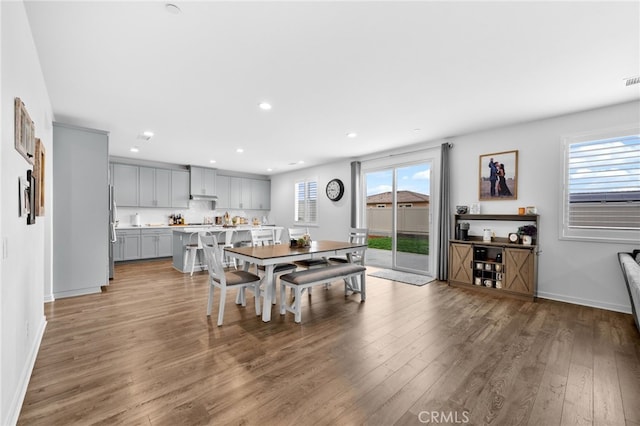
{"type": "Point", "coordinates": [398, 217]}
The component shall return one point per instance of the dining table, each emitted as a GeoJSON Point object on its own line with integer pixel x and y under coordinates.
{"type": "Point", "coordinates": [271, 255]}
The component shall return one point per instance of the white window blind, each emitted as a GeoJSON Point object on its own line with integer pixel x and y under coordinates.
{"type": "Point", "coordinates": [602, 187]}
{"type": "Point", "coordinates": [306, 202]}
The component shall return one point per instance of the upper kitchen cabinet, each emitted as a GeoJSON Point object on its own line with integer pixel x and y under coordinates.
{"type": "Point", "coordinates": [203, 182]}
{"type": "Point", "coordinates": [222, 192]}
{"type": "Point", "coordinates": [180, 181]}
{"type": "Point", "coordinates": [155, 187]}
{"type": "Point", "coordinates": [126, 184]}
{"type": "Point", "coordinates": [243, 193]}
{"type": "Point", "coordinates": [240, 193]}
{"type": "Point", "coordinates": [260, 194]}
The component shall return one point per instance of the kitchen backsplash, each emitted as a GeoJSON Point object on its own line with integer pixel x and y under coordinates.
{"type": "Point", "coordinates": [196, 213]}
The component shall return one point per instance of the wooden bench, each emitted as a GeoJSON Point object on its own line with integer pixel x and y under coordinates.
{"type": "Point", "coordinates": [301, 280]}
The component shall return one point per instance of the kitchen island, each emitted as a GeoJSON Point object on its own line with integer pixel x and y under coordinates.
{"type": "Point", "coordinates": [184, 235]}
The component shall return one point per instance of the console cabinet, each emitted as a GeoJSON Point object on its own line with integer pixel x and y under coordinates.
{"type": "Point", "coordinates": [497, 265]}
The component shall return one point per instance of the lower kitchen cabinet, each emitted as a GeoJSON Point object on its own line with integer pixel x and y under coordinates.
{"type": "Point", "coordinates": [127, 246]}
{"type": "Point", "coordinates": [133, 244]}
{"type": "Point", "coordinates": [156, 243]}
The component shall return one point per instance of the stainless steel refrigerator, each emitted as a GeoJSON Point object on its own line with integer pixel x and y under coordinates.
{"type": "Point", "coordinates": [113, 237]}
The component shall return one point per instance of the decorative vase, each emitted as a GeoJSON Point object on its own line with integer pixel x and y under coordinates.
{"type": "Point", "coordinates": [526, 240]}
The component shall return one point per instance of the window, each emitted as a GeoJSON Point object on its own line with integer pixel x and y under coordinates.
{"type": "Point", "coordinates": [601, 197]}
{"type": "Point", "coordinates": [306, 202]}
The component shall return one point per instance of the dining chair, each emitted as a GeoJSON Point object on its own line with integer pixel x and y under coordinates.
{"type": "Point", "coordinates": [265, 237]}
{"type": "Point", "coordinates": [356, 236]}
{"type": "Point", "coordinates": [225, 280]}
{"type": "Point", "coordinates": [297, 233]}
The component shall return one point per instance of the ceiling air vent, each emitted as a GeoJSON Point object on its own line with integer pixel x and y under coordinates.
{"type": "Point", "coordinates": [631, 81]}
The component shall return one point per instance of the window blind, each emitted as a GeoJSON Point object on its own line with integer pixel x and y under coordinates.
{"type": "Point", "coordinates": [603, 184]}
{"type": "Point", "coordinates": [306, 201]}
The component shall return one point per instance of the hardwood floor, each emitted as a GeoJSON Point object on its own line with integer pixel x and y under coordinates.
{"type": "Point", "coordinates": [143, 352]}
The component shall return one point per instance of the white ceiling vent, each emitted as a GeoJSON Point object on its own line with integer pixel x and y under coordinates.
{"type": "Point", "coordinates": [631, 81]}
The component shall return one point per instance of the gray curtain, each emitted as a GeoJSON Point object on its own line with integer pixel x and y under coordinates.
{"type": "Point", "coordinates": [356, 196]}
{"type": "Point", "coordinates": [444, 226]}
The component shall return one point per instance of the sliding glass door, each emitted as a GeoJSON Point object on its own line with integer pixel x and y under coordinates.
{"type": "Point", "coordinates": [398, 216]}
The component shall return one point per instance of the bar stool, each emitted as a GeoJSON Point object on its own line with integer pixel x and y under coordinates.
{"type": "Point", "coordinates": [228, 243]}
{"type": "Point", "coordinates": [191, 249]}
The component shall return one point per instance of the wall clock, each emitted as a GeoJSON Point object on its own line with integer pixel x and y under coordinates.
{"type": "Point", "coordinates": [335, 189]}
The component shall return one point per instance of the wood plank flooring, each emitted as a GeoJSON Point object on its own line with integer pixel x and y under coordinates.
{"type": "Point", "coordinates": [144, 353]}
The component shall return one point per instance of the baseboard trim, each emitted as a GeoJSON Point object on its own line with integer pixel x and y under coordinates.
{"type": "Point", "coordinates": [23, 384]}
{"type": "Point", "coordinates": [625, 309]}
{"type": "Point", "coordinates": [78, 292]}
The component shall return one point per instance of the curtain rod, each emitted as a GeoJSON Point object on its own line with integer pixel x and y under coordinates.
{"type": "Point", "coordinates": [449, 144]}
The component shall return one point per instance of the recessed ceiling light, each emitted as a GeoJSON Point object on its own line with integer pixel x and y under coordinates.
{"type": "Point", "coordinates": [265, 106]}
{"type": "Point", "coordinates": [148, 134]}
{"type": "Point", "coordinates": [352, 135]}
{"type": "Point", "coordinates": [301, 162]}
{"type": "Point", "coordinates": [212, 161]}
{"type": "Point", "coordinates": [417, 129]}
{"type": "Point", "coordinates": [269, 169]}
{"type": "Point", "coordinates": [239, 150]}
{"type": "Point", "coordinates": [134, 149]}
{"type": "Point", "coordinates": [172, 8]}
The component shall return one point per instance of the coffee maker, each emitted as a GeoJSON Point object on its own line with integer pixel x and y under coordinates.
{"type": "Point", "coordinates": [462, 231]}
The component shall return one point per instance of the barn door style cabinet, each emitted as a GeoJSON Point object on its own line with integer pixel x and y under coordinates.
{"type": "Point", "coordinates": [500, 265]}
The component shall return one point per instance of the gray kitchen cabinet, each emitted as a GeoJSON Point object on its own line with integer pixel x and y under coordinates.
{"type": "Point", "coordinates": [260, 194]}
{"type": "Point", "coordinates": [222, 191]}
{"type": "Point", "coordinates": [203, 181]}
{"type": "Point", "coordinates": [180, 188]}
{"type": "Point", "coordinates": [126, 184]}
{"type": "Point", "coordinates": [128, 245]}
{"type": "Point", "coordinates": [156, 243]}
{"type": "Point", "coordinates": [155, 187]}
{"type": "Point", "coordinates": [240, 193]}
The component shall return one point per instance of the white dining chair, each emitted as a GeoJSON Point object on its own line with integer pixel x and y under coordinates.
{"type": "Point", "coordinates": [224, 280]}
{"type": "Point", "coordinates": [297, 233]}
{"type": "Point", "coordinates": [356, 236]}
{"type": "Point", "coordinates": [265, 237]}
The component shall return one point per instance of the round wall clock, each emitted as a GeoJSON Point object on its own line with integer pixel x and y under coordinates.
{"type": "Point", "coordinates": [335, 189]}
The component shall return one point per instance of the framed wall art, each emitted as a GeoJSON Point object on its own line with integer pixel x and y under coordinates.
{"type": "Point", "coordinates": [39, 171]}
{"type": "Point", "coordinates": [30, 194]}
{"type": "Point", "coordinates": [498, 178]}
{"type": "Point", "coordinates": [23, 196]}
{"type": "Point", "coordinates": [24, 131]}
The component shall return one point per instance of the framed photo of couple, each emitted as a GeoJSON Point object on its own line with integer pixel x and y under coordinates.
{"type": "Point", "coordinates": [498, 176]}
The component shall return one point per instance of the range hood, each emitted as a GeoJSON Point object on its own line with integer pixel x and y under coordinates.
{"type": "Point", "coordinates": [204, 197]}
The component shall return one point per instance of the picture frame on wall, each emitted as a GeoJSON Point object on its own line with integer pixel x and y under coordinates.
{"type": "Point", "coordinates": [31, 197]}
{"type": "Point", "coordinates": [498, 176]}
{"type": "Point", "coordinates": [39, 171]}
{"type": "Point", "coordinates": [24, 131]}
{"type": "Point", "coordinates": [23, 196]}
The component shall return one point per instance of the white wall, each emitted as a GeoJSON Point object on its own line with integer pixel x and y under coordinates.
{"type": "Point", "coordinates": [334, 218]}
{"type": "Point", "coordinates": [585, 273]}
{"type": "Point", "coordinates": [25, 267]}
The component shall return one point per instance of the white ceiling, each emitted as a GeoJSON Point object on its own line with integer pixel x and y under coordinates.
{"type": "Point", "coordinates": [396, 73]}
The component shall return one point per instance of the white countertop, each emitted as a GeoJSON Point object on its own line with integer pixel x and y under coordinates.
{"type": "Point", "coordinates": [191, 228]}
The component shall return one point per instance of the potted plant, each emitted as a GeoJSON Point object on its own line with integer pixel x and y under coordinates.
{"type": "Point", "coordinates": [527, 233]}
